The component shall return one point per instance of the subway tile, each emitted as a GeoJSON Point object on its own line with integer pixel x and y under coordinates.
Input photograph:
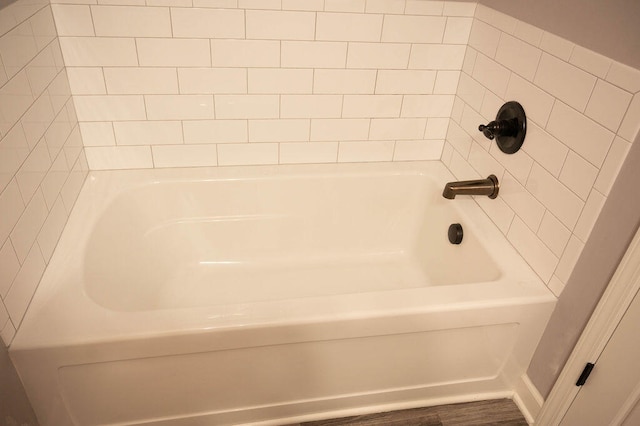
{"type": "Point", "coordinates": [99, 51]}
{"type": "Point", "coordinates": [469, 61]}
{"type": "Point", "coordinates": [413, 29]}
{"type": "Point", "coordinates": [97, 133]}
{"type": "Point", "coordinates": [529, 33]}
{"type": "Point", "coordinates": [459, 139]}
{"type": "Point", "coordinates": [348, 27]}
{"type": "Point", "coordinates": [564, 81]}
{"type": "Point", "coordinates": [608, 105]}
{"type": "Point", "coordinates": [556, 197]}
{"type": "Point", "coordinates": [491, 104]}
{"type": "Point", "coordinates": [185, 155]}
{"type": "Point", "coordinates": [238, 154]}
{"type": "Point", "coordinates": [589, 215]}
{"type": "Point", "coordinates": [447, 154]}
{"type": "Point", "coordinates": [484, 38]}
{"type": "Point", "coordinates": [624, 76]}
{"type": "Point", "coordinates": [446, 83]}
{"type": "Point", "coordinates": [212, 80]}
{"type": "Point", "coordinates": [57, 133]}
{"type": "Point", "coordinates": [436, 57]}
{"type": "Point", "coordinates": [461, 168]}
{"type": "Point", "coordinates": [518, 164]}
{"type": "Point", "coordinates": [216, 3]}
{"type": "Point", "coordinates": [344, 5]}
{"type": "Point", "coordinates": [537, 255]}
{"type": "Point", "coordinates": [418, 150]}
{"type": "Point", "coordinates": [86, 80]}
{"type": "Point", "coordinates": [131, 21]}
{"type": "Point", "coordinates": [569, 258]}
{"type": "Point", "coordinates": [74, 182]}
{"type": "Point", "coordinates": [491, 75]}
{"type": "Point", "coordinates": [578, 175]}
{"type": "Point", "coordinates": [73, 149]}
{"type": "Point", "coordinates": [317, 5]}
{"type": "Point", "coordinates": [556, 286]}
{"type": "Point", "coordinates": [397, 128]}
{"type": "Point", "coordinates": [469, 121]}
{"type": "Point", "coordinates": [215, 131]}
{"type": "Point", "coordinates": [579, 133]}
{"type": "Point", "coordinates": [470, 91]}
{"type": "Point", "coordinates": [421, 7]}
{"type": "Point", "coordinates": [55, 179]}
{"type": "Point", "coordinates": [15, 100]}
{"type": "Point", "coordinates": [631, 123]}
{"type": "Point", "coordinates": [17, 48]}
{"type": "Point", "coordinates": [280, 25]}
{"type": "Point", "coordinates": [436, 128]}
{"type": "Point", "coordinates": [179, 107]}
{"type": "Point", "coordinates": [24, 285]}
{"type": "Point", "coordinates": [364, 106]}
{"type": "Point", "coordinates": [483, 162]}
{"type": "Point", "coordinates": [121, 2]}
{"type": "Point", "coordinates": [294, 130]}
{"type": "Point", "coordinates": [33, 170]}
{"type": "Point", "coordinates": [36, 120]}
{"type": "Point", "coordinates": [308, 152]}
{"type": "Point", "coordinates": [207, 23]}
{"type": "Point", "coordinates": [427, 106]}
{"type": "Point", "coordinates": [11, 208]}
{"type": "Point", "coordinates": [537, 103]}
{"type": "Point", "coordinates": [166, 52]}
{"type": "Point", "coordinates": [132, 81]}
{"type": "Point", "coordinates": [545, 149]}
{"type": "Point", "coordinates": [378, 55]}
{"type": "Point", "coordinates": [14, 149]}
{"type": "Point", "coordinates": [118, 157]}
{"type": "Point", "coordinates": [260, 4]}
{"type": "Point", "coordinates": [612, 165]}
{"type": "Point", "coordinates": [26, 230]}
{"type": "Point", "coordinates": [147, 132]}
{"type": "Point", "coordinates": [60, 92]}
{"type": "Point", "coordinates": [52, 229]}
{"type": "Point", "coordinates": [499, 212]}
{"type": "Point", "coordinates": [557, 46]}
{"type": "Point", "coordinates": [175, 3]}
{"type": "Point", "coordinates": [457, 30]}
{"type": "Point", "coordinates": [365, 151]}
{"type": "Point", "coordinates": [247, 106]}
{"type": "Point", "coordinates": [459, 8]}
{"type": "Point", "coordinates": [385, 6]}
{"type": "Point", "coordinates": [523, 203]}
{"type": "Point", "coordinates": [590, 61]}
{"type": "Point", "coordinates": [8, 333]}
{"type": "Point", "coordinates": [405, 82]}
{"type": "Point", "coordinates": [41, 71]}
{"type": "Point", "coordinates": [497, 19]}
{"type": "Point", "coordinates": [518, 56]}
{"type": "Point", "coordinates": [276, 81]}
{"type": "Point", "coordinates": [314, 54]}
{"type": "Point", "coordinates": [245, 53]}
{"type": "Point", "coordinates": [340, 129]}
{"type": "Point", "coordinates": [9, 267]}
{"type": "Point", "coordinates": [344, 81]}
{"type": "Point", "coordinates": [553, 233]}
{"type": "Point", "coordinates": [110, 108]}
{"type": "Point", "coordinates": [311, 106]}
{"type": "Point", "coordinates": [44, 27]}
{"type": "Point", "coordinates": [73, 20]}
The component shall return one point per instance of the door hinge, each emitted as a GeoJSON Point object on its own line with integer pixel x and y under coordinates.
{"type": "Point", "coordinates": [585, 374]}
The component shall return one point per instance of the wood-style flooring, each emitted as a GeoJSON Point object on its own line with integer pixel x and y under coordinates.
{"type": "Point", "coordinates": [499, 412]}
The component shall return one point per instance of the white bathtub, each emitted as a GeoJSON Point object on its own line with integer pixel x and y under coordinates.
{"type": "Point", "coordinates": [274, 294]}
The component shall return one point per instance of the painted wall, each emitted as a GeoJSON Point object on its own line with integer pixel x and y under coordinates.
{"type": "Point", "coordinates": [608, 27]}
{"type": "Point", "coordinates": [226, 82]}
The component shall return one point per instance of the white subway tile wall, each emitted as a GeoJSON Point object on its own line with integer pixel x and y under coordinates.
{"type": "Point", "coordinates": [583, 112]}
{"type": "Point", "coordinates": [42, 163]}
{"type": "Point", "coordinates": [149, 78]}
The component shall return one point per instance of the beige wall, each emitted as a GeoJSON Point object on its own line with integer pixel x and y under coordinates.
{"type": "Point", "coordinates": [609, 27]}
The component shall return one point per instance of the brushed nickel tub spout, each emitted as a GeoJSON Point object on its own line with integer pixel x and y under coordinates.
{"type": "Point", "coordinates": [488, 187]}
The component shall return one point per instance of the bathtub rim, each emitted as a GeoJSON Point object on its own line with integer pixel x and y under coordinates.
{"type": "Point", "coordinates": [43, 326]}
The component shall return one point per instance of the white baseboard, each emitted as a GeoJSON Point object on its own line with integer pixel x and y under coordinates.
{"type": "Point", "coordinates": [528, 399]}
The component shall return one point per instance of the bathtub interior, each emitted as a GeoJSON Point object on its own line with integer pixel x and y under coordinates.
{"type": "Point", "coordinates": [182, 244]}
